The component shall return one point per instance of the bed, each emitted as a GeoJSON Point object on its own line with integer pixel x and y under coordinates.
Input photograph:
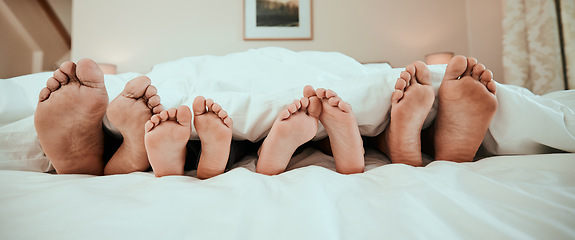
{"type": "Point", "coordinates": [521, 187]}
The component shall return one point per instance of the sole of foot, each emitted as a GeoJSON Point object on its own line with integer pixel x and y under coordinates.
{"type": "Point", "coordinates": [410, 104]}
{"type": "Point", "coordinates": [294, 126]}
{"type": "Point", "coordinates": [467, 103]}
{"type": "Point", "coordinates": [129, 112]}
{"type": "Point", "coordinates": [342, 129]}
{"type": "Point", "coordinates": [214, 128]}
{"type": "Point", "coordinates": [167, 134]}
{"type": "Point", "coordinates": [68, 118]}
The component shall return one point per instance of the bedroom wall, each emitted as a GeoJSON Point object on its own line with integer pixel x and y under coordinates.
{"type": "Point", "coordinates": [135, 34]}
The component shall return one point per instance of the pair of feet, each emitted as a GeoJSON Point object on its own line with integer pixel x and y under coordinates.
{"type": "Point", "coordinates": [466, 106]}
{"type": "Point", "coordinates": [298, 124]}
{"type": "Point", "coordinates": [69, 116]}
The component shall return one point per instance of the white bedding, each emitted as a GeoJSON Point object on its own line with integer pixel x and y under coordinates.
{"type": "Point", "coordinates": [515, 197]}
{"type": "Point", "coordinates": [520, 197]}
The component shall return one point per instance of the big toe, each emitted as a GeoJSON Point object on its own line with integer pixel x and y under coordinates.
{"type": "Point", "coordinates": [136, 88]}
{"type": "Point", "coordinates": [199, 105]}
{"type": "Point", "coordinates": [184, 115]}
{"type": "Point", "coordinates": [88, 73]}
{"type": "Point", "coordinates": [422, 73]}
{"type": "Point", "coordinates": [455, 68]}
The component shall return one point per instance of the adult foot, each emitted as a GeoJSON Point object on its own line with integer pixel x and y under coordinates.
{"type": "Point", "coordinates": [167, 134]}
{"type": "Point", "coordinates": [129, 112]}
{"type": "Point", "coordinates": [341, 127]}
{"type": "Point", "coordinates": [214, 128]}
{"type": "Point", "coordinates": [410, 103]}
{"type": "Point", "coordinates": [294, 126]}
{"type": "Point", "coordinates": [467, 104]}
{"type": "Point", "coordinates": [69, 115]}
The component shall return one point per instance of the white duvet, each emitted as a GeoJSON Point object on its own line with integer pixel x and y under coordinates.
{"type": "Point", "coordinates": [512, 197]}
{"type": "Point", "coordinates": [254, 86]}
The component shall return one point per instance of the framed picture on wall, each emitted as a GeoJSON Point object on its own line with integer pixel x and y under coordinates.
{"type": "Point", "coordinates": [278, 20]}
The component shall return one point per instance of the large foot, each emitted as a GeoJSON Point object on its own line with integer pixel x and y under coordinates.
{"type": "Point", "coordinates": [69, 115]}
{"type": "Point", "coordinates": [129, 112]}
{"type": "Point", "coordinates": [214, 128]}
{"type": "Point", "coordinates": [467, 104]}
{"type": "Point", "coordinates": [339, 122]}
{"type": "Point", "coordinates": [293, 127]}
{"type": "Point", "coordinates": [410, 103]}
{"type": "Point", "coordinates": [167, 134]}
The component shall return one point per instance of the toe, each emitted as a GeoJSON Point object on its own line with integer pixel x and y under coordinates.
{"type": "Point", "coordinates": [172, 112]}
{"type": "Point", "coordinates": [471, 62]}
{"type": "Point", "coordinates": [292, 108]}
{"type": "Point", "coordinates": [209, 104]}
{"type": "Point", "coordinates": [69, 68]}
{"type": "Point", "coordinates": [163, 116]}
{"type": "Point", "coordinates": [491, 86]}
{"type": "Point", "coordinates": [222, 114]}
{"type": "Point", "coordinates": [330, 93]}
{"type": "Point", "coordinates": [346, 107]}
{"type": "Point", "coordinates": [314, 108]}
{"type": "Point", "coordinates": [158, 109]}
{"type": "Point", "coordinates": [89, 74]}
{"type": "Point", "coordinates": [284, 114]}
{"type": "Point", "coordinates": [216, 108]}
{"type": "Point", "coordinates": [422, 74]}
{"type": "Point", "coordinates": [154, 101]}
{"type": "Point", "coordinates": [396, 96]}
{"type": "Point", "coordinates": [304, 101]}
{"type": "Point", "coordinates": [308, 91]}
{"type": "Point", "coordinates": [406, 76]}
{"type": "Point", "coordinates": [486, 77]}
{"type": "Point", "coordinates": [44, 94]}
{"type": "Point", "coordinates": [334, 101]}
{"type": "Point", "coordinates": [136, 88]}
{"type": "Point", "coordinates": [199, 105]}
{"type": "Point", "coordinates": [150, 92]}
{"type": "Point", "coordinates": [401, 84]}
{"type": "Point", "coordinates": [320, 92]}
{"type": "Point", "coordinates": [477, 71]}
{"type": "Point", "coordinates": [149, 126]}
{"type": "Point", "coordinates": [52, 84]}
{"type": "Point", "coordinates": [455, 68]}
{"type": "Point", "coordinates": [184, 115]}
{"type": "Point", "coordinates": [229, 122]}
{"type": "Point", "coordinates": [61, 77]}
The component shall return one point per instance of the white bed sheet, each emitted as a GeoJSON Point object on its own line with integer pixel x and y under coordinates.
{"type": "Point", "coordinates": [504, 197]}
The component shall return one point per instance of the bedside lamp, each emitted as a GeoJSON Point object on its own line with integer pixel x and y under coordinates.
{"type": "Point", "coordinates": [438, 58]}
{"type": "Point", "coordinates": [108, 68]}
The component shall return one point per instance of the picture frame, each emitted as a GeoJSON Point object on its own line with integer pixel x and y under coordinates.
{"type": "Point", "coordinates": [278, 20]}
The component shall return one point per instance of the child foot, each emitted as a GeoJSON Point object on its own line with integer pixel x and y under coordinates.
{"type": "Point", "coordinates": [467, 104]}
{"type": "Point", "coordinates": [339, 122]}
{"type": "Point", "coordinates": [167, 134]}
{"type": "Point", "coordinates": [69, 115]}
{"type": "Point", "coordinates": [214, 128]}
{"type": "Point", "coordinates": [129, 112]}
{"type": "Point", "coordinates": [293, 127]}
{"type": "Point", "coordinates": [410, 103]}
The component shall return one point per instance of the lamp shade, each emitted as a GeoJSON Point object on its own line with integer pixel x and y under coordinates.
{"type": "Point", "coordinates": [438, 58]}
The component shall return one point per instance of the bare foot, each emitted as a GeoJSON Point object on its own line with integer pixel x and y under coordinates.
{"type": "Point", "coordinates": [214, 128]}
{"type": "Point", "coordinates": [129, 112]}
{"type": "Point", "coordinates": [467, 104]}
{"type": "Point", "coordinates": [410, 103]}
{"type": "Point", "coordinates": [294, 126]}
{"type": "Point", "coordinates": [339, 122]}
{"type": "Point", "coordinates": [69, 115]}
{"type": "Point", "coordinates": [167, 134]}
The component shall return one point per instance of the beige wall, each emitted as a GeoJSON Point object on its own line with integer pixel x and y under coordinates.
{"type": "Point", "coordinates": [135, 34]}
